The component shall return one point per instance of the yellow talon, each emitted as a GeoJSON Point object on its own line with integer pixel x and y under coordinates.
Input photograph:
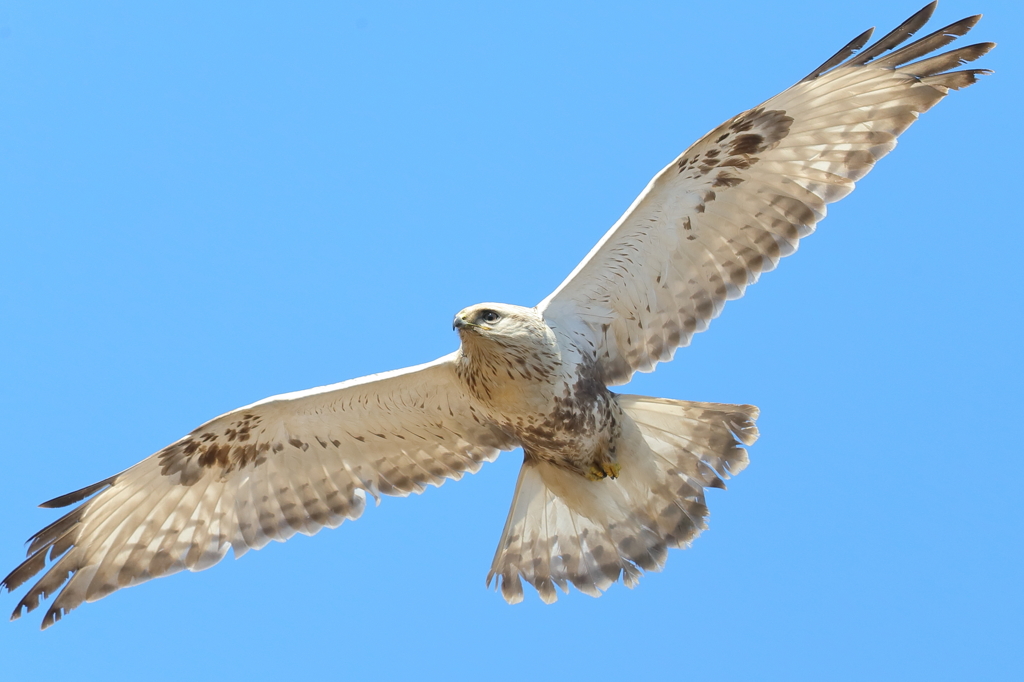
{"type": "Point", "coordinates": [603, 471]}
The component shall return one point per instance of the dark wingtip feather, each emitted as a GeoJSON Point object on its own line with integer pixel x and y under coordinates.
{"type": "Point", "coordinates": [25, 570]}
{"type": "Point", "coordinates": [965, 24]}
{"type": "Point", "coordinates": [929, 70]}
{"type": "Point", "coordinates": [55, 531]}
{"type": "Point", "coordinates": [77, 495]}
{"type": "Point", "coordinates": [947, 60]}
{"type": "Point", "coordinates": [46, 586]}
{"type": "Point", "coordinates": [837, 59]}
{"type": "Point", "coordinates": [897, 35]}
{"type": "Point", "coordinates": [52, 616]}
{"type": "Point", "coordinates": [930, 43]}
{"type": "Point", "coordinates": [956, 80]}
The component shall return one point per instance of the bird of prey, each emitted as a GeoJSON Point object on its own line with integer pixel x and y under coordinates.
{"type": "Point", "coordinates": [609, 481]}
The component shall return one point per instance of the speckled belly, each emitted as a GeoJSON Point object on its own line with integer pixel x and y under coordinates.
{"type": "Point", "coordinates": [578, 437]}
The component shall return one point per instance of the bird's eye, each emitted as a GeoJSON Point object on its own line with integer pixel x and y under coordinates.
{"type": "Point", "coordinates": [489, 316]}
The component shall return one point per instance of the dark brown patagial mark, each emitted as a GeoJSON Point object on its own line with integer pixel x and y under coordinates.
{"type": "Point", "coordinates": [751, 143]}
{"type": "Point", "coordinates": [190, 459]}
{"type": "Point", "coordinates": [739, 146]}
{"type": "Point", "coordinates": [726, 180]}
{"type": "Point", "coordinates": [215, 454]}
{"type": "Point", "coordinates": [206, 450]}
{"type": "Point", "coordinates": [708, 166]}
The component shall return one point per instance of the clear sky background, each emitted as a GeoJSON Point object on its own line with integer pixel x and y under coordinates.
{"type": "Point", "coordinates": [204, 204]}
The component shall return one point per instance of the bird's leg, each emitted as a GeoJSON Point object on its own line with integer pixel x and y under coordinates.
{"type": "Point", "coordinates": [604, 466]}
{"type": "Point", "coordinates": [603, 470]}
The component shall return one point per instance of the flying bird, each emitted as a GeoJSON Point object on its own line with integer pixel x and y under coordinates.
{"type": "Point", "coordinates": [609, 481]}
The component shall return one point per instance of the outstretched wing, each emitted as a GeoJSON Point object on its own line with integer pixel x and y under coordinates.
{"type": "Point", "coordinates": [291, 463]}
{"type": "Point", "coordinates": [744, 195]}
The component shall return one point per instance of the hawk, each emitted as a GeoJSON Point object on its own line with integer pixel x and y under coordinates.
{"type": "Point", "coordinates": [609, 481]}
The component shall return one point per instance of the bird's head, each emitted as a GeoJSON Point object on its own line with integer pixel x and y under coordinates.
{"type": "Point", "coordinates": [509, 325]}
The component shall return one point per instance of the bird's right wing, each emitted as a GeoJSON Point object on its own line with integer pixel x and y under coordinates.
{"type": "Point", "coordinates": [745, 194]}
{"type": "Point", "coordinates": [291, 463]}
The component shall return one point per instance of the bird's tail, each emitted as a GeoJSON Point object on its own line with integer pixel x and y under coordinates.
{"type": "Point", "coordinates": [564, 528]}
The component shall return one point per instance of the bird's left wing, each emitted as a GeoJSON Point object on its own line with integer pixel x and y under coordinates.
{"type": "Point", "coordinates": [744, 195]}
{"type": "Point", "coordinates": [291, 463]}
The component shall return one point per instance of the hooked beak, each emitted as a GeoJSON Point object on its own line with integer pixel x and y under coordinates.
{"type": "Point", "coordinates": [461, 323]}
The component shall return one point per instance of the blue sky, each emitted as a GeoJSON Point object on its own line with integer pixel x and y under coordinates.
{"type": "Point", "coordinates": [203, 206]}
